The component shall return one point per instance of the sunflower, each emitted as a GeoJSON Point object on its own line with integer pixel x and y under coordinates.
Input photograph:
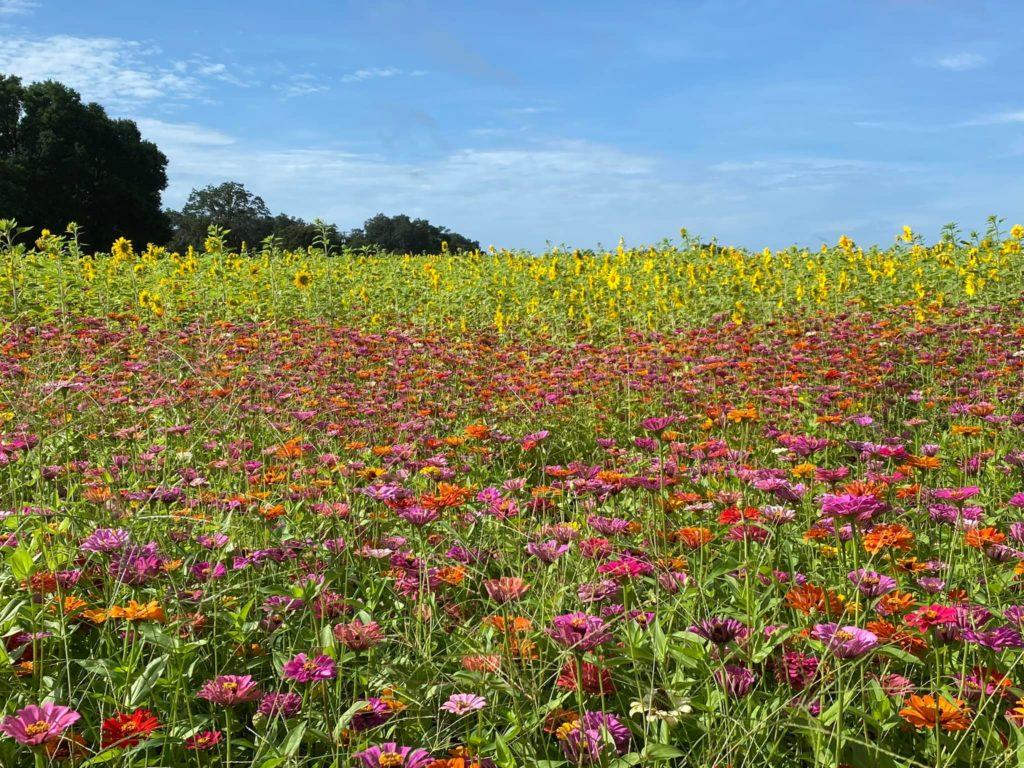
{"type": "Point", "coordinates": [303, 279]}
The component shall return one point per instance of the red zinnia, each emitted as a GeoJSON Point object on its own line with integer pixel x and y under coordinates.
{"type": "Point", "coordinates": [127, 730]}
{"type": "Point", "coordinates": [593, 680]}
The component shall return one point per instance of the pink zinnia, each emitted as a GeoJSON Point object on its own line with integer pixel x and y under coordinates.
{"type": "Point", "coordinates": [358, 635]}
{"type": "Point", "coordinates": [464, 703]}
{"type": "Point", "coordinates": [930, 616]}
{"type": "Point", "coordinates": [202, 741]}
{"type": "Point", "coordinates": [228, 690]}
{"type": "Point", "coordinates": [303, 669]}
{"type": "Point", "coordinates": [35, 725]}
{"type": "Point", "coordinates": [390, 754]}
{"type": "Point", "coordinates": [506, 589]}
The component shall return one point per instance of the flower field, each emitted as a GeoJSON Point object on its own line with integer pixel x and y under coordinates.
{"type": "Point", "coordinates": [679, 506]}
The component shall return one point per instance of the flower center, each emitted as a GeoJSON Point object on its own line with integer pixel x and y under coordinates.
{"type": "Point", "coordinates": [390, 760]}
{"type": "Point", "coordinates": [38, 727]}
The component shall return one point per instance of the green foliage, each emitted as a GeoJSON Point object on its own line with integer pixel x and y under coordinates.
{"type": "Point", "coordinates": [62, 160]}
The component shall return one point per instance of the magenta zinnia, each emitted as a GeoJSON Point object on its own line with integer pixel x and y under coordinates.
{"type": "Point", "coordinates": [35, 725]}
{"type": "Point", "coordinates": [228, 690]}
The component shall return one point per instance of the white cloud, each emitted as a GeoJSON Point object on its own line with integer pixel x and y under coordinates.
{"type": "Point", "coordinates": [301, 85]}
{"type": "Point", "coordinates": [998, 118]}
{"type": "Point", "coordinates": [120, 74]}
{"type": "Point", "coordinates": [803, 173]}
{"type": "Point", "coordinates": [518, 195]}
{"type": "Point", "coordinates": [374, 73]}
{"type": "Point", "coordinates": [961, 62]}
{"type": "Point", "coordinates": [177, 137]}
{"type": "Point", "coordinates": [16, 7]}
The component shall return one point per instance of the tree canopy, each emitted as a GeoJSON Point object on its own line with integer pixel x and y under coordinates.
{"type": "Point", "coordinates": [231, 206]}
{"type": "Point", "coordinates": [62, 160]}
{"type": "Point", "coordinates": [400, 234]}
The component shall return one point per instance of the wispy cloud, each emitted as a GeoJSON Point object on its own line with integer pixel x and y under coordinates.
{"type": "Point", "coordinates": [121, 74]}
{"type": "Point", "coordinates": [301, 85]}
{"type": "Point", "coordinates": [1009, 117]}
{"type": "Point", "coordinates": [804, 173]}
{"type": "Point", "coordinates": [998, 118]}
{"type": "Point", "coordinates": [960, 62]}
{"type": "Point", "coordinates": [177, 137]}
{"type": "Point", "coordinates": [545, 186]}
{"type": "Point", "coordinates": [17, 7]}
{"type": "Point", "coordinates": [374, 73]}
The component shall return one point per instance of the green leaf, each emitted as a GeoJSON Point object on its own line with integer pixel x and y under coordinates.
{"type": "Point", "coordinates": [20, 561]}
{"type": "Point", "coordinates": [145, 682]}
{"type": "Point", "coordinates": [658, 641]}
{"type": "Point", "coordinates": [663, 751]}
{"type": "Point", "coordinates": [503, 753]}
{"type": "Point", "coordinates": [294, 740]}
{"type": "Point", "coordinates": [346, 718]}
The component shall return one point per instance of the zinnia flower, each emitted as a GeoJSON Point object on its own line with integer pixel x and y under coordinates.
{"type": "Point", "coordinates": [579, 631]}
{"type": "Point", "coordinates": [127, 730]}
{"type": "Point", "coordinates": [720, 630]}
{"type": "Point", "coordinates": [845, 642]}
{"type": "Point", "coordinates": [303, 669]}
{"type": "Point", "coordinates": [736, 680]}
{"type": "Point", "coordinates": [931, 712]}
{"type": "Point", "coordinates": [390, 755]}
{"type": "Point", "coordinates": [930, 616]}
{"type": "Point", "coordinates": [281, 705]}
{"type": "Point", "coordinates": [593, 738]}
{"type": "Point", "coordinates": [464, 703]}
{"type": "Point", "coordinates": [506, 589]}
{"type": "Point", "coordinates": [871, 583]}
{"type": "Point", "coordinates": [357, 635]}
{"type": "Point", "coordinates": [35, 725]}
{"type": "Point", "coordinates": [203, 740]}
{"type": "Point", "coordinates": [228, 690]}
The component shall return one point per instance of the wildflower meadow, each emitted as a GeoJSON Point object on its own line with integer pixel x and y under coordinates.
{"type": "Point", "coordinates": [679, 505]}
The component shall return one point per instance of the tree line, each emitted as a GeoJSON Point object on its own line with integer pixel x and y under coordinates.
{"type": "Point", "coordinates": [63, 160]}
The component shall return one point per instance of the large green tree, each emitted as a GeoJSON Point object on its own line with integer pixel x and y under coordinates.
{"type": "Point", "coordinates": [62, 160]}
{"type": "Point", "coordinates": [400, 234]}
{"type": "Point", "coordinates": [230, 206]}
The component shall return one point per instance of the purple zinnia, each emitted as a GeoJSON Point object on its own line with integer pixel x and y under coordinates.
{"type": "Point", "coordinates": [845, 642]}
{"type": "Point", "coordinates": [280, 704]}
{"type": "Point", "coordinates": [871, 583]}
{"type": "Point", "coordinates": [720, 630]}
{"type": "Point", "coordinates": [579, 631]}
{"type": "Point", "coordinates": [736, 680]}
{"type": "Point", "coordinates": [593, 738]}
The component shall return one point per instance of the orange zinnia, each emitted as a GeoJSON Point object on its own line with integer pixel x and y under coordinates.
{"type": "Point", "coordinates": [890, 536]}
{"type": "Point", "coordinates": [694, 538]}
{"type": "Point", "coordinates": [136, 611]}
{"type": "Point", "coordinates": [478, 431]}
{"type": "Point", "coordinates": [1016, 713]}
{"type": "Point", "coordinates": [931, 712]}
{"type": "Point", "coordinates": [897, 602]}
{"type": "Point", "coordinates": [983, 537]}
{"type": "Point", "coordinates": [808, 598]}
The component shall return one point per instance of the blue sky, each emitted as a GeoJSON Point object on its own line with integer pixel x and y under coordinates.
{"type": "Point", "coordinates": [761, 122]}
